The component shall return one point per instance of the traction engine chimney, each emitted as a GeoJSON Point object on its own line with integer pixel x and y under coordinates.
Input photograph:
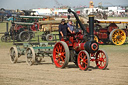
{"type": "Point", "coordinates": [91, 27]}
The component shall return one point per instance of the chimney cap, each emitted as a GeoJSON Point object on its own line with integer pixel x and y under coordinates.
{"type": "Point", "coordinates": [91, 15]}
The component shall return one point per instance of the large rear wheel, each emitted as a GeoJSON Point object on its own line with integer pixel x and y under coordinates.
{"type": "Point", "coordinates": [61, 54]}
{"type": "Point", "coordinates": [117, 36]}
{"type": "Point", "coordinates": [83, 60]}
{"type": "Point", "coordinates": [24, 36]}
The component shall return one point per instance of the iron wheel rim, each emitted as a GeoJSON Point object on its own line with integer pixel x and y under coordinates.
{"type": "Point", "coordinates": [101, 59]}
{"type": "Point", "coordinates": [83, 60]}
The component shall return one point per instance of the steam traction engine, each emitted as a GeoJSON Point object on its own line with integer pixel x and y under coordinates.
{"type": "Point", "coordinates": [79, 48]}
{"type": "Point", "coordinates": [23, 28]}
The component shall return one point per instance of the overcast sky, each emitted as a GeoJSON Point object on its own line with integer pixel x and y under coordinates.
{"type": "Point", "coordinates": [29, 4]}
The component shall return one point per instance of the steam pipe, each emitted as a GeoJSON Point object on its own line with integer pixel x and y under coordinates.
{"type": "Point", "coordinates": [78, 20]}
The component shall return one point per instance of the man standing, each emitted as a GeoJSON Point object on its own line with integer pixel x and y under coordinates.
{"type": "Point", "coordinates": [70, 25]}
{"type": "Point", "coordinates": [63, 29]}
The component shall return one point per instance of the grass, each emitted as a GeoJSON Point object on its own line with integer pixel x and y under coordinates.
{"type": "Point", "coordinates": [2, 30]}
{"type": "Point", "coordinates": [3, 26]}
{"type": "Point", "coordinates": [118, 18]}
{"type": "Point", "coordinates": [8, 44]}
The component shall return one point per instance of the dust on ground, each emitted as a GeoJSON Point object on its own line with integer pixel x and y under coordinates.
{"type": "Point", "coordinates": [47, 74]}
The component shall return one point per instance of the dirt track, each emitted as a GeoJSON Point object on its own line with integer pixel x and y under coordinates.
{"type": "Point", "coordinates": [47, 74]}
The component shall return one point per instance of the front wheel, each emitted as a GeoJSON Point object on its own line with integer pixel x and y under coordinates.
{"type": "Point", "coordinates": [101, 59]}
{"type": "Point", "coordinates": [83, 60]}
{"type": "Point", "coordinates": [61, 54]}
{"type": "Point", "coordinates": [13, 54]}
{"type": "Point", "coordinates": [30, 56]}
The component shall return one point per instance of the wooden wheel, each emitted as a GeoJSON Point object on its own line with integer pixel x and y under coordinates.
{"type": "Point", "coordinates": [13, 54]}
{"type": "Point", "coordinates": [30, 55]}
{"type": "Point", "coordinates": [101, 59]}
{"type": "Point", "coordinates": [83, 60]}
{"type": "Point", "coordinates": [117, 36]}
{"type": "Point", "coordinates": [96, 38]}
{"type": "Point", "coordinates": [61, 54]}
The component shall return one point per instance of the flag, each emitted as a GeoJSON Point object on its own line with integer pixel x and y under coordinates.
{"type": "Point", "coordinates": [100, 4]}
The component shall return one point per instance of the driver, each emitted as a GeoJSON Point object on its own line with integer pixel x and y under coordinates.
{"type": "Point", "coordinates": [70, 25]}
{"type": "Point", "coordinates": [63, 29]}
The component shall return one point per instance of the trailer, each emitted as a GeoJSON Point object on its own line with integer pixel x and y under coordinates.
{"type": "Point", "coordinates": [34, 52]}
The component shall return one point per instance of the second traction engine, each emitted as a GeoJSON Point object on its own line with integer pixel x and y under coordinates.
{"type": "Point", "coordinates": [80, 48]}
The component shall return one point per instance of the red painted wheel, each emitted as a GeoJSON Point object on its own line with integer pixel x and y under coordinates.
{"type": "Point", "coordinates": [61, 54]}
{"type": "Point", "coordinates": [101, 59]}
{"type": "Point", "coordinates": [83, 60]}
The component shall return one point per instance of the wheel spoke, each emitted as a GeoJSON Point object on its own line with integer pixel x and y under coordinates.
{"type": "Point", "coordinates": [84, 56]}
{"type": "Point", "coordinates": [57, 49]}
{"type": "Point", "coordinates": [58, 60]}
{"type": "Point", "coordinates": [81, 56]}
{"type": "Point", "coordinates": [57, 56]}
{"type": "Point", "coordinates": [85, 62]}
{"type": "Point", "coordinates": [82, 64]}
{"type": "Point", "coordinates": [62, 59]}
{"type": "Point", "coordinates": [102, 54]}
{"type": "Point", "coordinates": [57, 52]}
{"type": "Point", "coordinates": [101, 63]}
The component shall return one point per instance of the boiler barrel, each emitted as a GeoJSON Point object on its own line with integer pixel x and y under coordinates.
{"type": "Point", "coordinates": [89, 46]}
